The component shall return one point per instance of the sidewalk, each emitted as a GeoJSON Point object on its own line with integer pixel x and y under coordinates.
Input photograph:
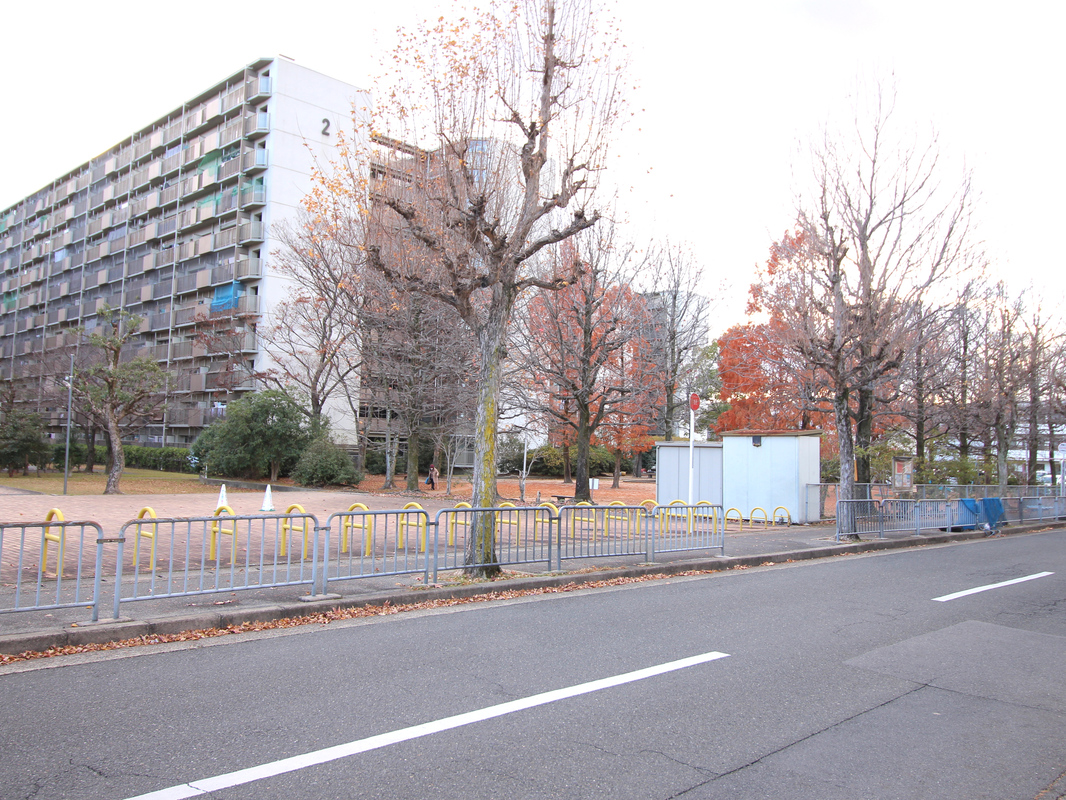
{"type": "Point", "coordinates": [39, 630]}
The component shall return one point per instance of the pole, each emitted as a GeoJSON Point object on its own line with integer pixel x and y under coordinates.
{"type": "Point", "coordinates": [70, 394]}
{"type": "Point", "coordinates": [691, 451]}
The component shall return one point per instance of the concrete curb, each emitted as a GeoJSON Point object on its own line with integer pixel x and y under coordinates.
{"type": "Point", "coordinates": [109, 631]}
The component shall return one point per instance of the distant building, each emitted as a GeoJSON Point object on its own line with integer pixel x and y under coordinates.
{"type": "Point", "coordinates": [174, 225]}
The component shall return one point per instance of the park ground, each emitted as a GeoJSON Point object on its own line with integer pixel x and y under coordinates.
{"type": "Point", "coordinates": [146, 481]}
{"type": "Point", "coordinates": [26, 498]}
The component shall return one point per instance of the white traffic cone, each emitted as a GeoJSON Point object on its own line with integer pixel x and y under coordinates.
{"type": "Point", "coordinates": [222, 501]}
{"type": "Point", "coordinates": [268, 501]}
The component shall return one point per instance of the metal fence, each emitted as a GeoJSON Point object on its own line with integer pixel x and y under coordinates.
{"type": "Point", "coordinates": [155, 558]}
{"type": "Point", "coordinates": [71, 548]}
{"type": "Point", "coordinates": [917, 516]}
{"type": "Point", "coordinates": [821, 498]}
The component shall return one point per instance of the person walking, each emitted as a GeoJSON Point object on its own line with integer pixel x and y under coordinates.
{"type": "Point", "coordinates": [434, 476]}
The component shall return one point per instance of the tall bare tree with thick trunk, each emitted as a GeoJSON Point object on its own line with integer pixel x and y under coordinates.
{"type": "Point", "coordinates": [875, 235]}
{"type": "Point", "coordinates": [507, 115]}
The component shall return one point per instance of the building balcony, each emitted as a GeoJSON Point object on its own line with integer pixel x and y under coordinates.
{"type": "Point", "coordinates": [248, 269]}
{"type": "Point", "coordinates": [257, 125]}
{"type": "Point", "coordinates": [254, 160]}
{"type": "Point", "coordinates": [258, 88]}
{"type": "Point", "coordinates": [250, 233]}
{"type": "Point", "coordinates": [253, 196]}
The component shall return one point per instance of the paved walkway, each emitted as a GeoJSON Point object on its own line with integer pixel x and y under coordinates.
{"type": "Point", "coordinates": [35, 630]}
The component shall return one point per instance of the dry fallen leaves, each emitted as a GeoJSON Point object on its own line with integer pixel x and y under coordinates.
{"type": "Point", "coordinates": [339, 614]}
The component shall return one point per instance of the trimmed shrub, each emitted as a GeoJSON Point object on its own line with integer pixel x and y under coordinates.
{"type": "Point", "coordinates": [324, 463]}
{"type": "Point", "coordinates": [170, 459]}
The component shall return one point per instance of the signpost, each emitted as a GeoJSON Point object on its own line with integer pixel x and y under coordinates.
{"type": "Point", "coordinates": [1062, 468]}
{"type": "Point", "coordinates": [693, 407]}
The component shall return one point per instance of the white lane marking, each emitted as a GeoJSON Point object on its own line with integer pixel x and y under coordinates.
{"type": "Point", "coordinates": [207, 785]}
{"type": "Point", "coordinates": [977, 589]}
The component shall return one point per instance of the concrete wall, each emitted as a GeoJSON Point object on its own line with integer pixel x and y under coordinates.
{"type": "Point", "coordinates": [300, 100]}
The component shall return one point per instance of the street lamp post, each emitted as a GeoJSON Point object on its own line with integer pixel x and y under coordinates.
{"type": "Point", "coordinates": [70, 393]}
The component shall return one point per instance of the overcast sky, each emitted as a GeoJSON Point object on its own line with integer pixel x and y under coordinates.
{"type": "Point", "coordinates": [727, 93]}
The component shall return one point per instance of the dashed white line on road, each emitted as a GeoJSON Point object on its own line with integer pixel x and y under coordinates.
{"type": "Point", "coordinates": [976, 589]}
{"type": "Point", "coordinates": [205, 786]}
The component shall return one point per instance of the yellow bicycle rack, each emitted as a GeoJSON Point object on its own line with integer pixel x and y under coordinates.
{"type": "Point", "coordinates": [400, 539]}
{"type": "Point", "coordinates": [576, 518]}
{"type": "Point", "coordinates": [740, 518]}
{"type": "Point", "coordinates": [665, 513]}
{"type": "Point", "coordinates": [145, 513]}
{"type": "Point", "coordinates": [54, 515]}
{"type": "Point", "coordinates": [713, 515]}
{"type": "Point", "coordinates": [454, 521]}
{"type": "Point", "coordinates": [217, 531]}
{"type": "Point", "coordinates": [553, 510]}
{"type": "Point", "coordinates": [294, 526]}
{"type": "Point", "coordinates": [765, 518]}
{"type": "Point", "coordinates": [788, 514]}
{"type": "Point", "coordinates": [622, 516]}
{"type": "Point", "coordinates": [349, 525]}
{"type": "Point", "coordinates": [512, 519]}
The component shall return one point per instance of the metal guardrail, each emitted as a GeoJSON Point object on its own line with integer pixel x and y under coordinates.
{"type": "Point", "coordinates": [225, 552]}
{"type": "Point", "coordinates": [26, 550]}
{"type": "Point", "coordinates": [155, 558]}
{"type": "Point", "coordinates": [917, 516]}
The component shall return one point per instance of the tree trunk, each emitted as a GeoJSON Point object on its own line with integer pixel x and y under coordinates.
{"type": "Point", "coordinates": [617, 469]}
{"type": "Point", "coordinates": [412, 460]}
{"type": "Point", "coordinates": [564, 451]}
{"type": "Point", "coordinates": [846, 487]}
{"type": "Point", "coordinates": [864, 437]}
{"type": "Point", "coordinates": [115, 456]}
{"type": "Point", "coordinates": [919, 414]}
{"type": "Point", "coordinates": [90, 450]}
{"type": "Point", "coordinates": [1002, 448]}
{"type": "Point", "coordinates": [584, 441]}
{"type": "Point", "coordinates": [481, 560]}
{"type": "Point", "coordinates": [390, 452]}
{"type": "Point", "coordinates": [638, 465]}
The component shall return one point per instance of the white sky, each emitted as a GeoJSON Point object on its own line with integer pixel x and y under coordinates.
{"type": "Point", "coordinates": [727, 90]}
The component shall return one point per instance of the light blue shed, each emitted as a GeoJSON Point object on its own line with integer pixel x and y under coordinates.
{"type": "Point", "coordinates": [671, 472]}
{"type": "Point", "coordinates": [769, 470]}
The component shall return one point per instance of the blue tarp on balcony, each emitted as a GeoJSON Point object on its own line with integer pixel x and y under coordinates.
{"type": "Point", "coordinates": [226, 297]}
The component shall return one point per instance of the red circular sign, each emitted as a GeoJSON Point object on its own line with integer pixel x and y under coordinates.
{"type": "Point", "coordinates": [694, 402]}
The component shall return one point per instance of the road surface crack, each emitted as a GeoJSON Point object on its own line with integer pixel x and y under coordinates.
{"type": "Point", "coordinates": [801, 740]}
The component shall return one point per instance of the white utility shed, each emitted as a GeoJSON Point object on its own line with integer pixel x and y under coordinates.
{"type": "Point", "coordinates": [671, 472]}
{"type": "Point", "coordinates": [770, 469]}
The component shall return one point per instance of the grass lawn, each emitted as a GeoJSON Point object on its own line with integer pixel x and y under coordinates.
{"type": "Point", "coordinates": [134, 481]}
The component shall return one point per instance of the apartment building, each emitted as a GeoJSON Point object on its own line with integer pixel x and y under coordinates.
{"type": "Point", "coordinates": [172, 224]}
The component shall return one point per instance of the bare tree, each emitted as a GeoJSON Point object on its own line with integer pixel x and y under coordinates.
{"type": "Point", "coordinates": [875, 237]}
{"type": "Point", "coordinates": [570, 345]}
{"type": "Point", "coordinates": [517, 104]}
{"type": "Point", "coordinates": [313, 337]}
{"type": "Point", "coordinates": [1000, 379]}
{"type": "Point", "coordinates": [677, 329]}
{"type": "Point", "coordinates": [418, 360]}
{"type": "Point", "coordinates": [117, 390]}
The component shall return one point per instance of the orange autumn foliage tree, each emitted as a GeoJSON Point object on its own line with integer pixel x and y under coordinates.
{"type": "Point", "coordinates": [572, 347]}
{"type": "Point", "coordinates": [627, 429]}
{"type": "Point", "coordinates": [763, 391]}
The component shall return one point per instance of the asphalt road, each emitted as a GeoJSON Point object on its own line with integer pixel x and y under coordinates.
{"type": "Point", "coordinates": [843, 678]}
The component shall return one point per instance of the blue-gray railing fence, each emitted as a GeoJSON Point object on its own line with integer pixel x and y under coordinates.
{"type": "Point", "coordinates": [156, 558]}
{"type": "Point", "coordinates": [879, 517]}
